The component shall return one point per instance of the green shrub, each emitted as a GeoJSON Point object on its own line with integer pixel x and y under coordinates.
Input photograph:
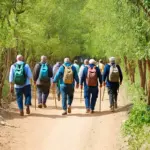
{"type": "Point", "coordinates": [137, 127]}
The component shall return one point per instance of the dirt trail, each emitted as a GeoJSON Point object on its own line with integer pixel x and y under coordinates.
{"type": "Point", "coordinates": [46, 129]}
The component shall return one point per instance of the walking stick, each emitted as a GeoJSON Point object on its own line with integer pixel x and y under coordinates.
{"type": "Point", "coordinates": [54, 96]}
{"type": "Point", "coordinates": [35, 95]}
{"type": "Point", "coordinates": [100, 100]}
{"type": "Point", "coordinates": [81, 96]}
{"type": "Point", "coordinates": [103, 94]}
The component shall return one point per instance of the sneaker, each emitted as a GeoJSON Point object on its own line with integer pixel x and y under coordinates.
{"type": "Point", "coordinates": [64, 113]}
{"type": "Point", "coordinates": [69, 109]}
{"type": "Point", "coordinates": [44, 105]}
{"type": "Point", "coordinates": [116, 105]}
{"type": "Point", "coordinates": [28, 110]}
{"type": "Point", "coordinates": [39, 105]}
{"type": "Point", "coordinates": [87, 110]}
{"type": "Point", "coordinates": [21, 113]}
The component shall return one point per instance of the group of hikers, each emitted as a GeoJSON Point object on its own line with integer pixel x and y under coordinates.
{"type": "Point", "coordinates": [64, 78]}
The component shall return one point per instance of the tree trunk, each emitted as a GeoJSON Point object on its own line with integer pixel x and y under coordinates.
{"type": "Point", "coordinates": [142, 70]}
{"type": "Point", "coordinates": [126, 64]}
{"type": "Point", "coordinates": [148, 64]}
{"type": "Point", "coordinates": [131, 70]}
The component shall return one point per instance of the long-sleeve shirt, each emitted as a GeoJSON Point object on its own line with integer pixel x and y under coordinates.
{"type": "Point", "coordinates": [85, 73]}
{"type": "Point", "coordinates": [27, 72]}
{"type": "Point", "coordinates": [106, 76]}
{"type": "Point", "coordinates": [59, 75]}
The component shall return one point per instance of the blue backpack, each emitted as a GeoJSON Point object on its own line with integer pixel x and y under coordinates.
{"type": "Point", "coordinates": [43, 75]}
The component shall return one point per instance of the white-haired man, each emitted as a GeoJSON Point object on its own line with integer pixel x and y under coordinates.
{"type": "Point", "coordinates": [67, 74]}
{"type": "Point", "coordinates": [113, 77]}
{"type": "Point", "coordinates": [90, 77]}
{"type": "Point", "coordinates": [41, 76]}
{"type": "Point", "coordinates": [20, 75]}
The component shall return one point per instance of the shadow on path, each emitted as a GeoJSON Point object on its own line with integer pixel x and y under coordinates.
{"type": "Point", "coordinates": [10, 115]}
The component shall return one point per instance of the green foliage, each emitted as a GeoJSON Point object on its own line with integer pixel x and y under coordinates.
{"type": "Point", "coordinates": [136, 128]}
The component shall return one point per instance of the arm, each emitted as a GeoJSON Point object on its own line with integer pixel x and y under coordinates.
{"type": "Point", "coordinates": [120, 74]}
{"type": "Point", "coordinates": [28, 71]}
{"type": "Point", "coordinates": [83, 77]}
{"type": "Point", "coordinates": [105, 73]}
{"type": "Point", "coordinates": [11, 78]}
{"type": "Point", "coordinates": [36, 71]}
{"type": "Point", "coordinates": [99, 75]}
{"type": "Point", "coordinates": [50, 74]}
{"type": "Point", "coordinates": [75, 75]}
{"type": "Point", "coordinates": [81, 71]}
{"type": "Point", "coordinates": [11, 75]}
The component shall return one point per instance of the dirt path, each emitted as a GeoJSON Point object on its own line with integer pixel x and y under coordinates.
{"type": "Point", "coordinates": [46, 129]}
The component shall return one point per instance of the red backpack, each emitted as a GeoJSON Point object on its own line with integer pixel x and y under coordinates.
{"type": "Point", "coordinates": [91, 79]}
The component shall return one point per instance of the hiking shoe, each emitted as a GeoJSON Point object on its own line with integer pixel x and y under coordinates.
{"type": "Point", "coordinates": [39, 105]}
{"type": "Point", "coordinates": [69, 109]}
{"type": "Point", "coordinates": [116, 105]}
{"type": "Point", "coordinates": [112, 108]}
{"type": "Point", "coordinates": [28, 110]}
{"type": "Point", "coordinates": [91, 111]}
{"type": "Point", "coordinates": [64, 113]}
{"type": "Point", "coordinates": [21, 113]}
{"type": "Point", "coordinates": [87, 110]}
{"type": "Point", "coordinates": [58, 98]}
{"type": "Point", "coordinates": [44, 105]}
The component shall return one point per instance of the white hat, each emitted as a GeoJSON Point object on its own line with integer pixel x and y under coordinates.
{"type": "Point", "coordinates": [112, 59]}
{"type": "Point", "coordinates": [92, 61]}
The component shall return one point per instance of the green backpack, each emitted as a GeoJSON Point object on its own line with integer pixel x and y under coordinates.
{"type": "Point", "coordinates": [20, 75]}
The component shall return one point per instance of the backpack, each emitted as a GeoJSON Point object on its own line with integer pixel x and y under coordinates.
{"type": "Point", "coordinates": [114, 74]}
{"type": "Point", "coordinates": [91, 79]}
{"type": "Point", "coordinates": [43, 75]}
{"type": "Point", "coordinates": [19, 74]}
{"type": "Point", "coordinates": [68, 74]}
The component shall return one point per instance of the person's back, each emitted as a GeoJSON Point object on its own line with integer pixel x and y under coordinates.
{"type": "Point", "coordinates": [113, 77]}
{"type": "Point", "coordinates": [41, 76]}
{"type": "Point", "coordinates": [90, 77]}
{"type": "Point", "coordinates": [67, 74]}
{"type": "Point", "coordinates": [19, 77]}
{"type": "Point", "coordinates": [61, 74]}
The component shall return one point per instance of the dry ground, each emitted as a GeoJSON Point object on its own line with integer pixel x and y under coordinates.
{"type": "Point", "coordinates": [46, 129]}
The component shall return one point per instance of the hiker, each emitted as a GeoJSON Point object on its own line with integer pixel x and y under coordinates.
{"type": "Point", "coordinates": [101, 66]}
{"type": "Point", "coordinates": [90, 77]}
{"type": "Point", "coordinates": [76, 65]}
{"type": "Point", "coordinates": [19, 78]}
{"type": "Point", "coordinates": [55, 69]}
{"type": "Point", "coordinates": [41, 76]}
{"type": "Point", "coordinates": [86, 62]}
{"type": "Point", "coordinates": [113, 77]}
{"type": "Point", "coordinates": [67, 74]}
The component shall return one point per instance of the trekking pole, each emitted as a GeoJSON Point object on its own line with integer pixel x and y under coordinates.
{"type": "Point", "coordinates": [100, 100]}
{"type": "Point", "coordinates": [54, 96]}
{"type": "Point", "coordinates": [103, 94]}
{"type": "Point", "coordinates": [81, 96]}
{"type": "Point", "coordinates": [35, 95]}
